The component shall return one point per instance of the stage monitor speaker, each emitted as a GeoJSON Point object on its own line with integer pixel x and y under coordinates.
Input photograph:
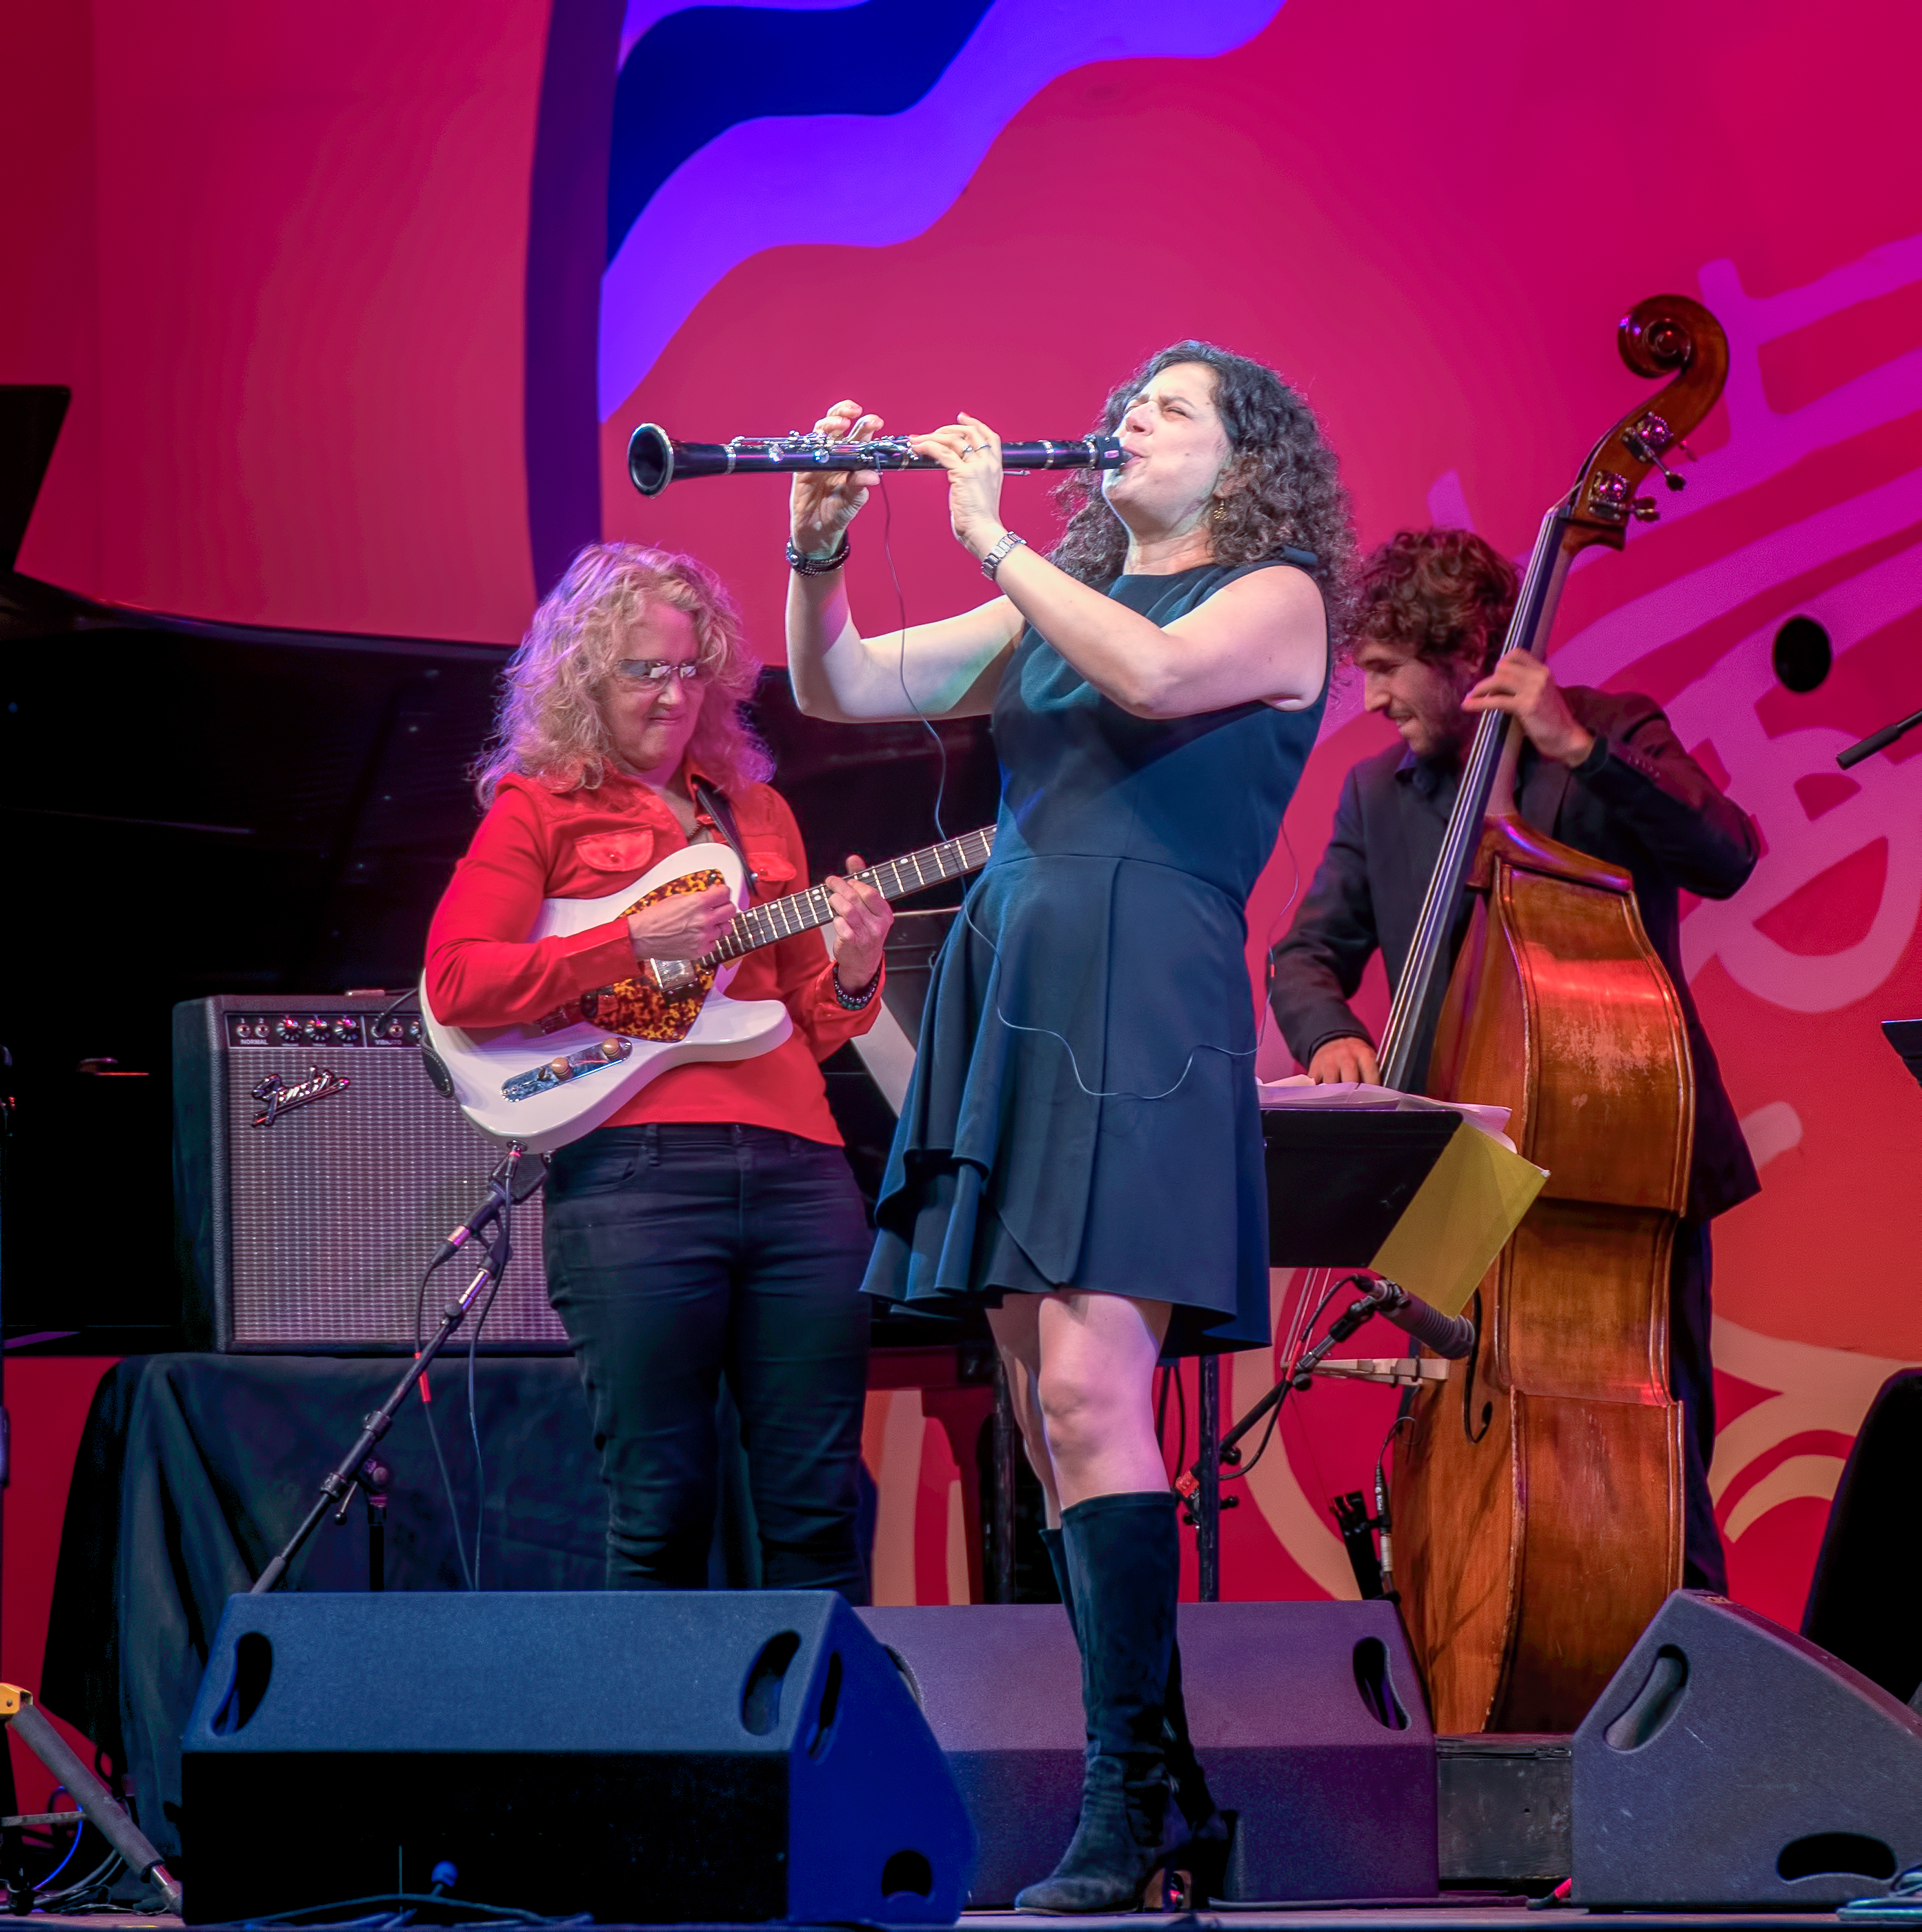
{"type": "Point", "coordinates": [646, 1757]}
{"type": "Point", "coordinates": [306, 1227]}
{"type": "Point", "coordinates": [1868, 1577]}
{"type": "Point", "coordinates": [1731, 1764]}
{"type": "Point", "coordinates": [1308, 1717]}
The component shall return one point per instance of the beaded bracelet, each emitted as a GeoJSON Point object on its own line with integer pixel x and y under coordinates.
{"type": "Point", "coordinates": [853, 1003]}
{"type": "Point", "coordinates": [805, 565]}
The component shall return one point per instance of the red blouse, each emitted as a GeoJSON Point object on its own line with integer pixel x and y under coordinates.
{"type": "Point", "coordinates": [536, 844]}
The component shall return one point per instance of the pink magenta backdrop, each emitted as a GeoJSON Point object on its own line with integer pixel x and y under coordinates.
{"type": "Point", "coordinates": [281, 258]}
{"type": "Point", "coordinates": [1433, 229]}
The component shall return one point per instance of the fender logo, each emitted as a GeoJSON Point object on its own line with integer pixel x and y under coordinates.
{"type": "Point", "coordinates": [277, 1096]}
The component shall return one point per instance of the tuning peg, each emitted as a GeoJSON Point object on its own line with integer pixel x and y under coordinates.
{"type": "Point", "coordinates": [1646, 510]}
{"type": "Point", "coordinates": [1646, 443]}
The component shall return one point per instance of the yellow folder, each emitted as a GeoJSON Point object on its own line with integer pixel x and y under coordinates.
{"type": "Point", "coordinates": [1450, 1233]}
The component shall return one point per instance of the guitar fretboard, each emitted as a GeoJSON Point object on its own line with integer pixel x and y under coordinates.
{"type": "Point", "coordinates": [799, 912]}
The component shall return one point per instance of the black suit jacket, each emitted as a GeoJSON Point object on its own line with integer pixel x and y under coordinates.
{"type": "Point", "coordinates": [1638, 801]}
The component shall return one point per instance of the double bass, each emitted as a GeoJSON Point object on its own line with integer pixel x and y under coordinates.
{"type": "Point", "coordinates": [1538, 1497]}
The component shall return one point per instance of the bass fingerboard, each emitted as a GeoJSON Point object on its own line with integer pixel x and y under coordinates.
{"type": "Point", "coordinates": [800, 912]}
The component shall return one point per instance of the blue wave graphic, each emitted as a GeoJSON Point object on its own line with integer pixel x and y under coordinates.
{"type": "Point", "coordinates": [837, 175]}
{"type": "Point", "coordinates": [698, 72]}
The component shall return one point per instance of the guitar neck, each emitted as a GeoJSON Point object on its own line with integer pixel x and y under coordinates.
{"type": "Point", "coordinates": [799, 912]}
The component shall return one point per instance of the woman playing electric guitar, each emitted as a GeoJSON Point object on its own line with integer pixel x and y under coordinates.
{"type": "Point", "coordinates": [711, 1226]}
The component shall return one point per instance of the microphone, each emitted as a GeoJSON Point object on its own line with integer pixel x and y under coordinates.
{"type": "Point", "coordinates": [501, 1183]}
{"type": "Point", "coordinates": [1452, 1335]}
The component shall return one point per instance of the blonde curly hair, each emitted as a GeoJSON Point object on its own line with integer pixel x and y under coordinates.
{"type": "Point", "coordinates": [548, 725]}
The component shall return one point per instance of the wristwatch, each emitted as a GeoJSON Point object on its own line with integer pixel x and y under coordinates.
{"type": "Point", "coordinates": [804, 565]}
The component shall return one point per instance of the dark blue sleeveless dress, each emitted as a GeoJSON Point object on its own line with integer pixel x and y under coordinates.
{"type": "Point", "coordinates": [1083, 1112]}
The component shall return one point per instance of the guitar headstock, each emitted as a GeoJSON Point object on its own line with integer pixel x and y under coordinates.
{"type": "Point", "coordinates": [1662, 335]}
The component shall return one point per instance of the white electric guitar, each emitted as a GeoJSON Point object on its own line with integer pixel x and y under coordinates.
{"type": "Point", "coordinates": [547, 1084]}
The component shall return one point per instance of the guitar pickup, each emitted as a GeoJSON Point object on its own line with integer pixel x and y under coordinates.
{"type": "Point", "coordinates": [556, 1072]}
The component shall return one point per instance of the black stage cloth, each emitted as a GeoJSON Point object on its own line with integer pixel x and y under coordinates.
{"type": "Point", "coordinates": [1868, 1581]}
{"type": "Point", "coordinates": [195, 1468]}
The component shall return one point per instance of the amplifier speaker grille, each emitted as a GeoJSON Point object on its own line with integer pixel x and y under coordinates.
{"type": "Point", "coordinates": [309, 1235]}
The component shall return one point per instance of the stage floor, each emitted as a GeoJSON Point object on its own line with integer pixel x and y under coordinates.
{"type": "Point", "coordinates": [1440, 1917]}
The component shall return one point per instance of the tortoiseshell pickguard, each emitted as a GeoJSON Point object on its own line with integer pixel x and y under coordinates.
{"type": "Point", "coordinates": [638, 1007]}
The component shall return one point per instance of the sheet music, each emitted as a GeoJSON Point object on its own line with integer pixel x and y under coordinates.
{"type": "Point", "coordinates": [1301, 1094]}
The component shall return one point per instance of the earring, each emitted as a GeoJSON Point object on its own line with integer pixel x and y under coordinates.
{"type": "Point", "coordinates": [1219, 514]}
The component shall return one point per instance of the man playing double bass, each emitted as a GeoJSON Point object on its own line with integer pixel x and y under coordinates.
{"type": "Point", "coordinates": [1599, 771]}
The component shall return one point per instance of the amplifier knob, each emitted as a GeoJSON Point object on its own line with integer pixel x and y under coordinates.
{"type": "Point", "coordinates": [287, 1032]}
{"type": "Point", "coordinates": [345, 1032]}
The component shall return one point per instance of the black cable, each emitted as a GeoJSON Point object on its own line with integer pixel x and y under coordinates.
{"type": "Point", "coordinates": [1241, 1470]}
{"type": "Point", "coordinates": [901, 657]}
{"type": "Point", "coordinates": [1381, 1460]}
{"type": "Point", "coordinates": [474, 1413]}
{"type": "Point", "coordinates": [440, 1456]}
{"type": "Point", "coordinates": [405, 993]}
{"type": "Point", "coordinates": [83, 1890]}
{"type": "Point", "coordinates": [514, 1914]}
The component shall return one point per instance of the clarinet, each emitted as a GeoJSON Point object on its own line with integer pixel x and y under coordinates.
{"type": "Point", "coordinates": [655, 459]}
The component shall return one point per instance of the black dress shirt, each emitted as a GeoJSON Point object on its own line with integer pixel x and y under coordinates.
{"type": "Point", "coordinates": [1638, 801]}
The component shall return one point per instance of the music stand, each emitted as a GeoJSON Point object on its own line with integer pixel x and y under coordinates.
{"type": "Point", "coordinates": [1905, 1036]}
{"type": "Point", "coordinates": [1338, 1180]}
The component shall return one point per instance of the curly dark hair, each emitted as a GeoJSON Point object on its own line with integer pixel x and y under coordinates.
{"type": "Point", "coordinates": [1290, 494]}
{"type": "Point", "coordinates": [1446, 594]}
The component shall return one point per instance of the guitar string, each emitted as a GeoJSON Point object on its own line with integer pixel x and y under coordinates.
{"type": "Point", "coordinates": [753, 928]}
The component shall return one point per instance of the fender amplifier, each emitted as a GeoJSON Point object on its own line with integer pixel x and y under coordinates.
{"type": "Point", "coordinates": [316, 1170]}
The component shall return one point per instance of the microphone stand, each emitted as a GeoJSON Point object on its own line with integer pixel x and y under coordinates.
{"type": "Point", "coordinates": [338, 1486]}
{"type": "Point", "coordinates": [1199, 1485]}
{"type": "Point", "coordinates": [1877, 741]}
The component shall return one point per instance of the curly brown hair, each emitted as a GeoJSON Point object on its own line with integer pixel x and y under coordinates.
{"type": "Point", "coordinates": [1446, 594]}
{"type": "Point", "coordinates": [1289, 492]}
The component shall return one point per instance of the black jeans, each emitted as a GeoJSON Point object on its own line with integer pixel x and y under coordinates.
{"type": "Point", "coordinates": [677, 1254]}
{"type": "Point", "coordinates": [1691, 1382]}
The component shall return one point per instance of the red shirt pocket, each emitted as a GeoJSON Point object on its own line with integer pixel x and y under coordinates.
{"type": "Point", "coordinates": [616, 851]}
{"type": "Point", "coordinates": [772, 867]}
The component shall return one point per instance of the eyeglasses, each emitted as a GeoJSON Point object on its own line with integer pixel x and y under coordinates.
{"type": "Point", "coordinates": [654, 673]}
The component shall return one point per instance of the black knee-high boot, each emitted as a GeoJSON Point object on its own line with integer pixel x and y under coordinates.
{"type": "Point", "coordinates": [1206, 1826]}
{"type": "Point", "coordinates": [1124, 1566]}
{"type": "Point", "coordinates": [1051, 1541]}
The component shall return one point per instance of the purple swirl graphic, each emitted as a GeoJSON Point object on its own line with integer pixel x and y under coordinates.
{"type": "Point", "coordinates": [870, 180]}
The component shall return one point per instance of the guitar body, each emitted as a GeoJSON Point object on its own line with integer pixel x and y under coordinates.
{"type": "Point", "coordinates": [497, 1071]}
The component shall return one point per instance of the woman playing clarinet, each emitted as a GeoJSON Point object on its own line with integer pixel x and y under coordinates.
{"type": "Point", "coordinates": [1080, 1149]}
